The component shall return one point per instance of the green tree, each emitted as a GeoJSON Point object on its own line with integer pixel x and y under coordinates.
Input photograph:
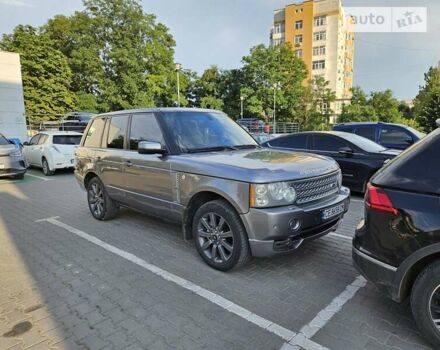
{"type": "Point", "coordinates": [266, 67]}
{"type": "Point", "coordinates": [207, 89]}
{"type": "Point", "coordinates": [358, 110]}
{"type": "Point", "coordinates": [427, 101]}
{"type": "Point", "coordinates": [120, 56]}
{"type": "Point", "coordinates": [46, 74]}
{"type": "Point", "coordinates": [386, 107]}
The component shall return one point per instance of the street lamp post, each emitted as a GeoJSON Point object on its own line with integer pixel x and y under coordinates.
{"type": "Point", "coordinates": [178, 69]}
{"type": "Point", "coordinates": [241, 106]}
{"type": "Point", "coordinates": [276, 86]}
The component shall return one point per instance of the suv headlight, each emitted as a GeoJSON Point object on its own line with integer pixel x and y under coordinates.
{"type": "Point", "coordinates": [272, 195]}
{"type": "Point", "coordinates": [339, 179]}
{"type": "Point", "coordinates": [16, 153]}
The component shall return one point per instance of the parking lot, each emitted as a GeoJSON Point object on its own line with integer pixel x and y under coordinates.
{"type": "Point", "coordinates": [68, 281]}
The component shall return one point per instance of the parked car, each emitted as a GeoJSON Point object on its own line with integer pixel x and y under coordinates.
{"type": "Point", "coordinates": [253, 125]}
{"type": "Point", "coordinates": [358, 157]}
{"type": "Point", "coordinates": [261, 137]}
{"type": "Point", "coordinates": [12, 163]}
{"type": "Point", "coordinates": [76, 121]}
{"type": "Point", "coordinates": [201, 169]}
{"type": "Point", "coordinates": [52, 150]}
{"type": "Point", "coordinates": [397, 245]}
{"type": "Point", "coordinates": [395, 136]}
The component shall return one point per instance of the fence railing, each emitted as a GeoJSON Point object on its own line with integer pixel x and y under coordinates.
{"type": "Point", "coordinates": [258, 126]}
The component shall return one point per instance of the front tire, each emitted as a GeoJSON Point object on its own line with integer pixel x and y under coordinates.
{"type": "Point", "coordinates": [46, 168]}
{"type": "Point", "coordinates": [101, 206]}
{"type": "Point", "coordinates": [425, 302]}
{"type": "Point", "coordinates": [219, 236]}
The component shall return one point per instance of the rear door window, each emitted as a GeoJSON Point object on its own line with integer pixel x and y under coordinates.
{"type": "Point", "coordinates": [117, 131]}
{"type": "Point", "coordinates": [3, 140]}
{"type": "Point", "coordinates": [94, 133]}
{"type": "Point", "coordinates": [417, 169]}
{"type": "Point", "coordinates": [328, 143]}
{"type": "Point", "coordinates": [368, 132]}
{"type": "Point", "coordinates": [144, 127]}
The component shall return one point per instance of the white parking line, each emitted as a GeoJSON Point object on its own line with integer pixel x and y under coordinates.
{"type": "Point", "coordinates": [38, 177]}
{"type": "Point", "coordinates": [333, 308]}
{"type": "Point", "coordinates": [287, 335]}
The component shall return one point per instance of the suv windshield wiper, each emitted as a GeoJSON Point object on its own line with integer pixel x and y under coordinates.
{"type": "Point", "coordinates": [211, 149]}
{"type": "Point", "coordinates": [246, 146]}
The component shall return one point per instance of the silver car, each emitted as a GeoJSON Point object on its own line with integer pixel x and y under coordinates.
{"type": "Point", "coordinates": [12, 163]}
{"type": "Point", "coordinates": [201, 169]}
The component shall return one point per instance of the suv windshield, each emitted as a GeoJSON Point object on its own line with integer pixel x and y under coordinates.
{"type": "Point", "coordinates": [4, 141]}
{"type": "Point", "coordinates": [67, 139]}
{"type": "Point", "coordinates": [206, 131]}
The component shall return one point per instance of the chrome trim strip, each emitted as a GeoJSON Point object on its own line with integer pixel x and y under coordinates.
{"type": "Point", "coordinates": [143, 195]}
{"type": "Point", "coordinates": [374, 261]}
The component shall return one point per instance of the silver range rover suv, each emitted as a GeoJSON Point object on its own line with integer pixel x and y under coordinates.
{"type": "Point", "coordinates": [201, 169]}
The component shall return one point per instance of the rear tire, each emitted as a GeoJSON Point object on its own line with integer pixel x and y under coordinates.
{"type": "Point", "coordinates": [219, 236]}
{"type": "Point", "coordinates": [46, 168]}
{"type": "Point", "coordinates": [101, 206]}
{"type": "Point", "coordinates": [425, 302]}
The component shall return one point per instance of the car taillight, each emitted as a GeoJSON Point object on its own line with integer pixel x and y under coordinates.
{"type": "Point", "coordinates": [377, 199]}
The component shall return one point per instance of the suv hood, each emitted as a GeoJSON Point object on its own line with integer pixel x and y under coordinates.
{"type": "Point", "coordinates": [255, 166]}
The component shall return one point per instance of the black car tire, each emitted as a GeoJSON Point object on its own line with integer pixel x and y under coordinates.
{"type": "Point", "coordinates": [95, 188]}
{"type": "Point", "coordinates": [424, 286]}
{"type": "Point", "coordinates": [46, 169]}
{"type": "Point", "coordinates": [240, 253]}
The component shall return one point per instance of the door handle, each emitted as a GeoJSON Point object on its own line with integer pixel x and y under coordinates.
{"type": "Point", "coordinates": [128, 163]}
{"type": "Point", "coordinates": [98, 158]}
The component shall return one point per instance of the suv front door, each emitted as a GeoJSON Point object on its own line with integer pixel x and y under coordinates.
{"type": "Point", "coordinates": [147, 176]}
{"type": "Point", "coordinates": [395, 138]}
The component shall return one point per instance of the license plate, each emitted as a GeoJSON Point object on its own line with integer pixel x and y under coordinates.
{"type": "Point", "coordinates": [332, 211]}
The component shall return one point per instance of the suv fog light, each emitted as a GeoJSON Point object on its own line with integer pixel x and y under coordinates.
{"type": "Point", "coordinates": [294, 225]}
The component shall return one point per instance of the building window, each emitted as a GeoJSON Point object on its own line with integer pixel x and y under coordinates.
{"type": "Point", "coordinates": [279, 28]}
{"type": "Point", "coordinates": [316, 65]}
{"type": "Point", "coordinates": [319, 36]}
{"type": "Point", "coordinates": [318, 50]}
{"type": "Point", "coordinates": [298, 24]}
{"type": "Point", "coordinates": [278, 42]}
{"type": "Point", "coordinates": [298, 39]}
{"type": "Point", "coordinates": [319, 21]}
{"type": "Point", "coordinates": [299, 53]}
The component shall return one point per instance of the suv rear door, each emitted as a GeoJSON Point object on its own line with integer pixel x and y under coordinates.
{"type": "Point", "coordinates": [147, 176]}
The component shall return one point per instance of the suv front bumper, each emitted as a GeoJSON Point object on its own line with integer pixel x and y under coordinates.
{"type": "Point", "coordinates": [12, 166]}
{"type": "Point", "coordinates": [275, 231]}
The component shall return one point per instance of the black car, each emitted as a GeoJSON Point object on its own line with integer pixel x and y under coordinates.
{"type": "Point", "coordinates": [397, 245]}
{"type": "Point", "coordinates": [76, 121]}
{"type": "Point", "coordinates": [389, 135]}
{"type": "Point", "coordinates": [358, 157]}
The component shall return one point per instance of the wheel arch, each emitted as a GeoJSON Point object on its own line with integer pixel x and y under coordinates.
{"type": "Point", "coordinates": [90, 175]}
{"type": "Point", "coordinates": [197, 200]}
{"type": "Point", "coordinates": [412, 267]}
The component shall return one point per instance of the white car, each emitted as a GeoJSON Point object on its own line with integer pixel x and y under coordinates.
{"type": "Point", "coordinates": [52, 150]}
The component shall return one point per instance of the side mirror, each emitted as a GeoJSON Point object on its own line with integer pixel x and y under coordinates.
{"type": "Point", "coordinates": [25, 143]}
{"type": "Point", "coordinates": [346, 151]}
{"type": "Point", "coordinates": [146, 147]}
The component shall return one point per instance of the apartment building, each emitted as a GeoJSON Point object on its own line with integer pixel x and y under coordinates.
{"type": "Point", "coordinates": [319, 34]}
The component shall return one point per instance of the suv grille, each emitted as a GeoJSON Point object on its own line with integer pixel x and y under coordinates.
{"type": "Point", "coordinates": [310, 190]}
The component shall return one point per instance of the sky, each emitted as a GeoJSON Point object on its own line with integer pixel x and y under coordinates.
{"type": "Point", "coordinates": [221, 32]}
